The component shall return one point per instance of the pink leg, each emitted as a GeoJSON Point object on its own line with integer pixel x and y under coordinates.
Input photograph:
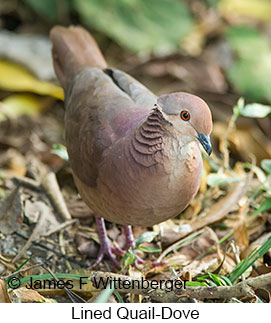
{"type": "Point", "coordinates": [105, 247]}
{"type": "Point", "coordinates": [130, 242]}
{"type": "Point", "coordinates": [107, 250]}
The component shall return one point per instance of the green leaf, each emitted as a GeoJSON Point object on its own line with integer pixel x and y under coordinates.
{"type": "Point", "coordinates": [140, 25]}
{"type": "Point", "coordinates": [60, 151]}
{"type": "Point", "coordinates": [147, 236]}
{"type": "Point", "coordinates": [266, 165]}
{"type": "Point", "coordinates": [148, 249]}
{"type": "Point", "coordinates": [212, 3]}
{"type": "Point", "coordinates": [256, 110]}
{"type": "Point", "coordinates": [196, 284]}
{"type": "Point", "coordinates": [239, 107]}
{"type": "Point", "coordinates": [266, 205]}
{"type": "Point", "coordinates": [47, 8]}
{"type": "Point", "coordinates": [226, 280]}
{"type": "Point", "coordinates": [220, 179]}
{"type": "Point", "coordinates": [215, 279]}
{"type": "Point", "coordinates": [129, 258]}
{"type": "Point", "coordinates": [251, 72]}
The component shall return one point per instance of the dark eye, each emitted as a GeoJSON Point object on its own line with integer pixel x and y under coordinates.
{"type": "Point", "coordinates": [185, 115]}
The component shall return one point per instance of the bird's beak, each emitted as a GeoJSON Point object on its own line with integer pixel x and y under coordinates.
{"type": "Point", "coordinates": [206, 143]}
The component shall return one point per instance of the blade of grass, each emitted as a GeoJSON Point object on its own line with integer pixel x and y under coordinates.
{"type": "Point", "coordinates": [104, 295]}
{"type": "Point", "coordinates": [249, 261]}
{"type": "Point", "coordinates": [118, 296]}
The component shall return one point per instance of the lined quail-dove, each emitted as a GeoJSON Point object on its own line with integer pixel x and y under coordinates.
{"type": "Point", "coordinates": [135, 157]}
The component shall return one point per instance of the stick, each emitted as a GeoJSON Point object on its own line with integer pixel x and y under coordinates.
{"type": "Point", "coordinates": [245, 288]}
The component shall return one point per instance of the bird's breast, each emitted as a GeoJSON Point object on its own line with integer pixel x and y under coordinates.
{"type": "Point", "coordinates": [131, 192]}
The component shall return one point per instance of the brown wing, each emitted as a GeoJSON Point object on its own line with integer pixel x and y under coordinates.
{"type": "Point", "coordinates": [102, 104]}
{"type": "Point", "coordinates": [98, 113]}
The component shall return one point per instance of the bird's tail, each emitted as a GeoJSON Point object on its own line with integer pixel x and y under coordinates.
{"type": "Point", "coordinates": [73, 49]}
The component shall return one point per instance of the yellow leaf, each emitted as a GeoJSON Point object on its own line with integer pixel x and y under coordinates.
{"type": "Point", "coordinates": [259, 9]}
{"type": "Point", "coordinates": [16, 78]}
{"type": "Point", "coordinates": [20, 104]}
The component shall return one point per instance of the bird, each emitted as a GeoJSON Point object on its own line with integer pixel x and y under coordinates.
{"type": "Point", "coordinates": [135, 157]}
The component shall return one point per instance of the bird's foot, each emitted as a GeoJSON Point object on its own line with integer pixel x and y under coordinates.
{"type": "Point", "coordinates": [106, 250]}
{"type": "Point", "coordinates": [105, 247]}
{"type": "Point", "coordinates": [133, 255]}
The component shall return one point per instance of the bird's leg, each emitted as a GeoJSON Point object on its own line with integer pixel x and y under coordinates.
{"type": "Point", "coordinates": [107, 250]}
{"type": "Point", "coordinates": [105, 247]}
{"type": "Point", "coordinates": [130, 242]}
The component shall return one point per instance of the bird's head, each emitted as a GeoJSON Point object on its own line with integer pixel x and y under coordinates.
{"type": "Point", "coordinates": [189, 115]}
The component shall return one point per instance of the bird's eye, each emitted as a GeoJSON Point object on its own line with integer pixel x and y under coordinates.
{"type": "Point", "coordinates": [185, 115]}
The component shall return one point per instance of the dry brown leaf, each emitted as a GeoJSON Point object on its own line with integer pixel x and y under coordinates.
{"type": "Point", "coordinates": [263, 294]}
{"type": "Point", "coordinates": [4, 296]}
{"type": "Point", "coordinates": [26, 295]}
{"type": "Point", "coordinates": [179, 259]}
{"type": "Point", "coordinates": [207, 264]}
{"type": "Point", "coordinates": [261, 270]}
{"type": "Point", "coordinates": [11, 214]}
{"type": "Point", "coordinates": [85, 245]}
{"type": "Point", "coordinates": [239, 223]}
{"type": "Point", "coordinates": [137, 275]}
{"type": "Point", "coordinates": [216, 213]}
{"type": "Point", "coordinates": [45, 224]}
{"type": "Point", "coordinates": [12, 162]}
{"type": "Point", "coordinates": [244, 142]}
{"type": "Point", "coordinates": [201, 244]}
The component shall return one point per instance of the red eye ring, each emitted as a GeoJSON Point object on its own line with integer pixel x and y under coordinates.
{"type": "Point", "coordinates": [185, 115]}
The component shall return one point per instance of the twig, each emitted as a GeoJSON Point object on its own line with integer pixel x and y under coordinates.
{"type": "Point", "coordinates": [34, 235]}
{"type": "Point", "coordinates": [245, 288]}
{"type": "Point", "coordinates": [63, 250]}
{"type": "Point", "coordinates": [27, 182]}
{"type": "Point", "coordinates": [51, 188]}
{"type": "Point", "coordinates": [61, 226]}
{"type": "Point", "coordinates": [21, 271]}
